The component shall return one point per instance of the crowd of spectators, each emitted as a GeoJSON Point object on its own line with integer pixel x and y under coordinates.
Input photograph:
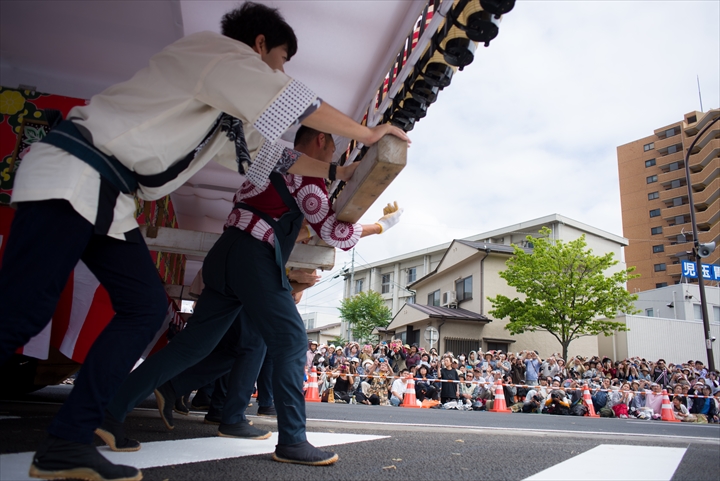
{"type": "Point", "coordinates": [628, 388]}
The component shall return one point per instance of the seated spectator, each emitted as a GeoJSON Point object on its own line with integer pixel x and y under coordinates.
{"type": "Point", "coordinates": [377, 389]}
{"type": "Point", "coordinates": [533, 403]}
{"type": "Point", "coordinates": [344, 382]}
{"type": "Point", "coordinates": [704, 406]}
{"type": "Point", "coordinates": [681, 412]}
{"type": "Point", "coordinates": [467, 388]}
{"type": "Point", "coordinates": [678, 393]}
{"type": "Point", "coordinates": [557, 403]}
{"type": "Point", "coordinates": [399, 386]}
{"type": "Point", "coordinates": [653, 399]}
{"type": "Point", "coordinates": [600, 397]}
{"type": "Point", "coordinates": [424, 387]}
{"type": "Point", "coordinates": [620, 400]}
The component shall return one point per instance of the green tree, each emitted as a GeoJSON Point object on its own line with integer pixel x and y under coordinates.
{"type": "Point", "coordinates": [567, 291]}
{"type": "Point", "coordinates": [338, 341]}
{"type": "Point", "coordinates": [363, 313]}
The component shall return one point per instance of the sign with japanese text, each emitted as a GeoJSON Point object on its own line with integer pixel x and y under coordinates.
{"type": "Point", "coordinates": [710, 272]}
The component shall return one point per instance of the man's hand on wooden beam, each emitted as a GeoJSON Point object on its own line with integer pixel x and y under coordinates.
{"type": "Point", "coordinates": [379, 131]}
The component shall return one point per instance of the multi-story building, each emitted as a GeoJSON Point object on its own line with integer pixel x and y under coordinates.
{"type": "Point", "coordinates": [446, 287]}
{"type": "Point", "coordinates": [655, 201]}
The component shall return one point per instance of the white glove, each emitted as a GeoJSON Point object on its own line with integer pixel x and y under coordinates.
{"type": "Point", "coordinates": [392, 216]}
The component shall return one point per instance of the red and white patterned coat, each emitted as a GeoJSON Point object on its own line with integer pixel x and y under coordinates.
{"type": "Point", "coordinates": [311, 196]}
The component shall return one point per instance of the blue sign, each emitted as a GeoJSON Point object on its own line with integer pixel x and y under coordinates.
{"type": "Point", "coordinates": [710, 272]}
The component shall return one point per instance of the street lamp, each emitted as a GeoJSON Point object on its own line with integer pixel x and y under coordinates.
{"type": "Point", "coordinates": [696, 249]}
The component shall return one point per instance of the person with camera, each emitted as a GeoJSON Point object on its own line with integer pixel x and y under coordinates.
{"type": "Point", "coordinates": [449, 390]}
{"type": "Point", "coordinates": [532, 367]}
{"type": "Point", "coordinates": [377, 390]}
{"type": "Point", "coordinates": [344, 382]}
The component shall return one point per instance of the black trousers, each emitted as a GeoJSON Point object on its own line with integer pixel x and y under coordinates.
{"type": "Point", "coordinates": [251, 280]}
{"type": "Point", "coordinates": [47, 239]}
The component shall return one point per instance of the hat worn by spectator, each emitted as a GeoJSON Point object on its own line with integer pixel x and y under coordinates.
{"type": "Point", "coordinates": [356, 360]}
{"type": "Point", "coordinates": [366, 362]}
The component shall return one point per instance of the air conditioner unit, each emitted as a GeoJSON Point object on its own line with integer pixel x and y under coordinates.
{"type": "Point", "coordinates": [449, 298]}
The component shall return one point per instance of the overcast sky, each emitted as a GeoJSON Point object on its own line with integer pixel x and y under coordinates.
{"type": "Point", "coordinates": [531, 127]}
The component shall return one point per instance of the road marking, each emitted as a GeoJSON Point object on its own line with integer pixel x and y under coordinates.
{"type": "Point", "coordinates": [516, 429]}
{"type": "Point", "coordinates": [14, 467]}
{"type": "Point", "coordinates": [658, 464]}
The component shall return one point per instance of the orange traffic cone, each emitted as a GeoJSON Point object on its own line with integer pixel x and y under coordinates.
{"type": "Point", "coordinates": [499, 405]}
{"type": "Point", "coordinates": [588, 403]}
{"type": "Point", "coordinates": [409, 400]}
{"type": "Point", "coordinates": [312, 395]}
{"type": "Point", "coordinates": [667, 410]}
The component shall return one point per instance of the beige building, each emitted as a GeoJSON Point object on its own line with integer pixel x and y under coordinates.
{"type": "Point", "coordinates": [450, 284]}
{"type": "Point", "coordinates": [655, 203]}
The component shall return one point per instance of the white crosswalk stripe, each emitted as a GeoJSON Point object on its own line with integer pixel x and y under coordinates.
{"type": "Point", "coordinates": [659, 464]}
{"type": "Point", "coordinates": [14, 467]}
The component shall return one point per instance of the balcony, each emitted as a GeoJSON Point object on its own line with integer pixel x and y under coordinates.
{"type": "Point", "coordinates": [705, 198]}
{"type": "Point", "coordinates": [693, 129]}
{"type": "Point", "coordinates": [672, 192]}
{"type": "Point", "coordinates": [705, 156]}
{"type": "Point", "coordinates": [706, 177]}
{"type": "Point", "coordinates": [665, 165]}
{"type": "Point", "coordinates": [669, 213]}
{"type": "Point", "coordinates": [709, 217]}
{"type": "Point", "coordinates": [661, 144]}
{"type": "Point", "coordinates": [666, 158]}
{"type": "Point", "coordinates": [666, 178]}
{"type": "Point", "coordinates": [671, 232]}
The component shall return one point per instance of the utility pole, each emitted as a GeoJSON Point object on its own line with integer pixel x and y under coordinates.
{"type": "Point", "coordinates": [352, 290]}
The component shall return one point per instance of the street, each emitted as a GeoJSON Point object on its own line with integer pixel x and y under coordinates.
{"type": "Point", "coordinates": [385, 443]}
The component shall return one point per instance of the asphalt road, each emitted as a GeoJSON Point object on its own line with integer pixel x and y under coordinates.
{"type": "Point", "coordinates": [412, 444]}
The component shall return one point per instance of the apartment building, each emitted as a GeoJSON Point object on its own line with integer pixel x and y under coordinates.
{"type": "Point", "coordinates": [447, 286]}
{"type": "Point", "coordinates": [655, 201]}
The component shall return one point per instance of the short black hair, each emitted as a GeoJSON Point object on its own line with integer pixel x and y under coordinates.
{"type": "Point", "coordinates": [252, 19]}
{"type": "Point", "coordinates": [305, 135]}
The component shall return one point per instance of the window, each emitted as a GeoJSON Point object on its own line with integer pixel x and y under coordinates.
{"type": "Point", "coordinates": [649, 312]}
{"type": "Point", "coordinates": [411, 275]}
{"type": "Point", "coordinates": [650, 179]}
{"type": "Point", "coordinates": [658, 248]}
{"type": "Point", "coordinates": [670, 132]}
{"type": "Point", "coordinates": [649, 163]}
{"type": "Point", "coordinates": [434, 298]}
{"type": "Point", "coordinates": [677, 201]}
{"type": "Point", "coordinates": [655, 230]}
{"type": "Point", "coordinates": [410, 300]}
{"type": "Point", "coordinates": [458, 345]}
{"type": "Point", "coordinates": [653, 195]}
{"type": "Point", "coordinates": [675, 184]}
{"type": "Point", "coordinates": [463, 289]}
{"type": "Point", "coordinates": [385, 286]}
{"type": "Point", "coordinates": [692, 119]}
{"type": "Point", "coordinates": [358, 285]}
{"type": "Point", "coordinates": [680, 219]}
{"type": "Point", "coordinates": [655, 213]}
{"type": "Point", "coordinates": [660, 267]}
{"type": "Point", "coordinates": [716, 313]}
{"type": "Point", "coordinates": [672, 149]}
{"type": "Point", "coordinates": [697, 311]}
{"type": "Point", "coordinates": [674, 166]}
{"type": "Point", "coordinates": [681, 239]}
{"type": "Point", "coordinates": [649, 146]}
{"type": "Point", "coordinates": [658, 285]}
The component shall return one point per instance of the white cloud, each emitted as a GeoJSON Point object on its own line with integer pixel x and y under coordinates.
{"type": "Point", "coordinates": [531, 127]}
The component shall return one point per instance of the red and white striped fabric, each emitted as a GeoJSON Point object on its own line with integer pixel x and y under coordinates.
{"type": "Point", "coordinates": [83, 311]}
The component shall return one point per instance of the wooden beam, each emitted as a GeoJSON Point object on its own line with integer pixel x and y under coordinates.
{"type": "Point", "coordinates": [381, 164]}
{"type": "Point", "coordinates": [193, 243]}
